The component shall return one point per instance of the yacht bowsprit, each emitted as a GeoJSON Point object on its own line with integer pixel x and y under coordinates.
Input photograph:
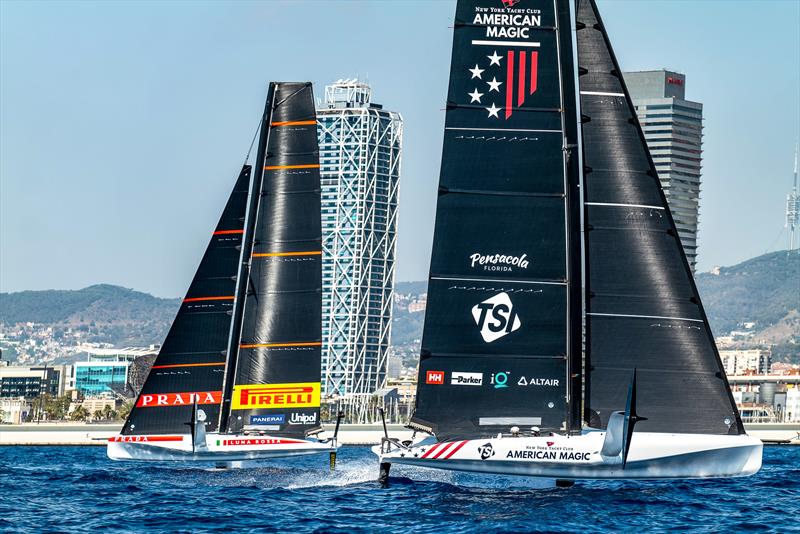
{"type": "Point", "coordinates": [238, 376]}
{"type": "Point", "coordinates": [593, 358]}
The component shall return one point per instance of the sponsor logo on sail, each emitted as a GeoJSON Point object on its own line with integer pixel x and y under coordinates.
{"type": "Point", "coordinates": [496, 317]}
{"type": "Point", "coordinates": [543, 382]}
{"type": "Point", "coordinates": [500, 379]}
{"type": "Point", "coordinates": [300, 395]}
{"type": "Point", "coordinates": [152, 400]}
{"type": "Point", "coordinates": [458, 378]}
{"type": "Point", "coordinates": [498, 262]}
{"type": "Point", "coordinates": [302, 418]}
{"type": "Point", "coordinates": [510, 3]}
{"type": "Point", "coordinates": [434, 377]}
{"type": "Point", "coordinates": [486, 451]}
{"type": "Point", "coordinates": [271, 419]}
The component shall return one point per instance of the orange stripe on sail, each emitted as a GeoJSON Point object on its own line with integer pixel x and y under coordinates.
{"type": "Point", "coordinates": [225, 232]}
{"type": "Point", "coordinates": [271, 345]}
{"type": "Point", "coordinates": [187, 365]}
{"type": "Point", "coordinates": [273, 254]}
{"type": "Point", "coordinates": [281, 167]}
{"type": "Point", "coordinates": [293, 123]}
{"type": "Point", "coordinates": [196, 299]}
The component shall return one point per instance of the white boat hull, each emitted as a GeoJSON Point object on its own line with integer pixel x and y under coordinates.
{"type": "Point", "coordinates": [651, 456]}
{"type": "Point", "coordinates": [218, 448]}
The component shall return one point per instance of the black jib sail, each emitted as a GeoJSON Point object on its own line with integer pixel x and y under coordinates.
{"type": "Point", "coordinates": [643, 310]}
{"type": "Point", "coordinates": [275, 381]}
{"type": "Point", "coordinates": [504, 286]}
{"type": "Point", "coordinates": [191, 363]}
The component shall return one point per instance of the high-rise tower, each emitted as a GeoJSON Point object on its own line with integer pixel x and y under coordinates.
{"type": "Point", "coordinates": [673, 129]}
{"type": "Point", "coordinates": [360, 146]}
{"type": "Point", "coordinates": [793, 209]}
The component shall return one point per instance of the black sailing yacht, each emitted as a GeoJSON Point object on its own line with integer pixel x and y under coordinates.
{"type": "Point", "coordinates": [564, 335]}
{"type": "Point", "coordinates": [238, 376]}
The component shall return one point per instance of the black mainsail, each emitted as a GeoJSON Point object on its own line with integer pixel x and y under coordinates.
{"type": "Point", "coordinates": [275, 380]}
{"type": "Point", "coordinates": [643, 311]}
{"type": "Point", "coordinates": [191, 363]}
{"type": "Point", "coordinates": [504, 285]}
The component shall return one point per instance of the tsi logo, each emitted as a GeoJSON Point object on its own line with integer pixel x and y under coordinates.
{"type": "Point", "coordinates": [486, 451]}
{"type": "Point", "coordinates": [302, 418]}
{"type": "Point", "coordinates": [466, 379]}
{"type": "Point", "coordinates": [496, 317]}
{"type": "Point", "coordinates": [500, 379]}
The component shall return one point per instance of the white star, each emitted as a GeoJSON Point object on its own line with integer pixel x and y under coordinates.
{"type": "Point", "coordinates": [495, 59]}
{"type": "Point", "coordinates": [493, 111]}
{"type": "Point", "coordinates": [476, 96]}
{"type": "Point", "coordinates": [494, 85]}
{"type": "Point", "coordinates": [476, 72]}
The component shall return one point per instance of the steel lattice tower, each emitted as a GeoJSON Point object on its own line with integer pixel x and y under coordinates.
{"type": "Point", "coordinates": [793, 209]}
{"type": "Point", "coordinates": [360, 147]}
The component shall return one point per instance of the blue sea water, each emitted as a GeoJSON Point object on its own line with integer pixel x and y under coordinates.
{"type": "Point", "coordinates": [77, 489]}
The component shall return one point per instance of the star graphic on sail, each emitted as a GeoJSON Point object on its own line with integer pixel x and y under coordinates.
{"type": "Point", "coordinates": [476, 96]}
{"type": "Point", "coordinates": [476, 72]}
{"type": "Point", "coordinates": [494, 85]}
{"type": "Point", "coordinates": [513, 80]}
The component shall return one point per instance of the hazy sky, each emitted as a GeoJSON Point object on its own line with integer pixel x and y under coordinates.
{"type": "Point", "coordinates": [124, 124]}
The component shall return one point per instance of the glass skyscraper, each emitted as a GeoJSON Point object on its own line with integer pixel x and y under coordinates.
{"type": "Point", "coordinates": [360, 147]}
{"type": "Point", "coordinates": [673, 129]}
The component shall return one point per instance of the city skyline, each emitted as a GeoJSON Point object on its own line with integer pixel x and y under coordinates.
{"type": "Point", "coordinates": [123, 128]}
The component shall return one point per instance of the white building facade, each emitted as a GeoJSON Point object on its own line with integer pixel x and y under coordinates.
{"type": "Point", "coordinates": [360, 148]}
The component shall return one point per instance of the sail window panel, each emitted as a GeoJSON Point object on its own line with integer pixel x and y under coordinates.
{"type": "Point", "coordinates": [530, 163]}
{"type": "Point", "coordinates": [200, 331]}
{"type": "Point", "coordinates": [495, 318]}
{"type": "Point", "coordinates": [471, 226]}
{"type": "Point", "coordinates": [293, 101]}
{"type": "Point", "coordinates": [276, 365]}
{"type": "Point", "coordinates": [293, 179]}
{"type": "Point", "coordinates": [640, 263]}
{"type": "Point", "coordinates": [218, 262]}
{"type": "Point", "coordinates": [283, 226]}
{"type": "Point", "coordinates": [672, 402]}
{"type": "Point", "coordinates": [622, 186]}
{"type": "Point", "coordinates": [521, 392]}
{"type": "Point", "coordinates": [668, 345]}
{"type": "Point", "coordinates": [183, 379]}
{"type": "Point", "coordinates": [615, 145]}
{"type": "Point", "coordinates": [286, 273]}
{"type": "Point", "coordinates": [281, 317]}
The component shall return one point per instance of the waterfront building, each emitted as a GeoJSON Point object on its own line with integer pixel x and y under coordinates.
{"type": "Point", "coordinates": [109, 370]}
{"type": "Point", "coordinates": [14, 410]}
{"type": "Point", "coordinates": [360, 147]}
{"type": "Point", "coordinates": [745, 361]}
{"type": "Point", "coordinates": [673, 129]}
{"type": "Point", "coordinates": [32, 382]}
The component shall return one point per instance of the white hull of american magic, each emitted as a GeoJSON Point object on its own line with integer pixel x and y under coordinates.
{"type": "Point", "coordinates": [651, 456]}
{"type": "Point", "coordinates": [217, 447]}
